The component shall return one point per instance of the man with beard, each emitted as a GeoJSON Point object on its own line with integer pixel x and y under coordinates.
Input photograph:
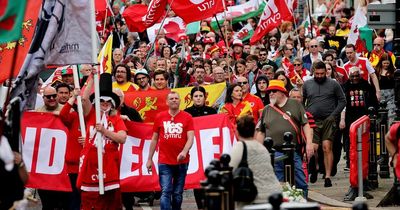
{"type": "Point", "coordinates": [324, 99]}
{"type": "Point", "coordinates": [199, 75]}
{"type": "Point", "coordinates": [122, 75]}
{"type": "Point", "coordinates": [142, 79]}
{"type": "Point", "coordinates": [282, 115]}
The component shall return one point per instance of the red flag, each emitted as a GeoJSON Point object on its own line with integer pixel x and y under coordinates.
{"type": "Point", "coordinates": [195, 10]}
{"type": "Point", "coordinates": [274, 13]}
{"type": "Point", "coordinates": [139, 17]}
{"type": "Point", "coordinates": [7, 49]}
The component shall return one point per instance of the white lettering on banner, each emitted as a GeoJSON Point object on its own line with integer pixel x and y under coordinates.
{"type": "Point", "coordinates": [206, 5]}
{"type": "Point", "coordinates": [272, 9]}
{"type": "Point", "coordinates": [129, 158]}
{"type": "Point", "coordinates": [194, 158]}
{"type": "Point", "coordinates": [172, 130]}
{"type": "Point", "coordinates": [227, 141]}
{"type": "Point", "coordinates": [145, 154]}
{"type": "Point", "coordinates": [206, 141]}
{"type": "Point", "coordinates": [274, 19]}
{"type": "Point", "coordinates": [28, 146]}
{"type": "Point", "coordinates": [51, 153]}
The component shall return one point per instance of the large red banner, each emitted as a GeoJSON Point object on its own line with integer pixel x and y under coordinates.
{"type": "Point", "coordinates": [45, 140]}
{"type": "Point", "coordinates": [44, 143]}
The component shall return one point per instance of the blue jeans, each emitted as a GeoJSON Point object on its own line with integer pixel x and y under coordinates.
{"type": "Point", "coordinates": [300, 177]}
{"type": "Point", "coordinates": [172, 181]}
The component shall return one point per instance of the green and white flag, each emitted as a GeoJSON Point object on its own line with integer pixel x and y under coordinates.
{"type": "Point", "coordinates": [245, 33]}
{"type": "Point", "coordinates": [240, 12]}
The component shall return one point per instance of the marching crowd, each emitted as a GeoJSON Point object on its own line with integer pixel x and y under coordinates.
{"type": "Point", "coordinates": [307, 81]}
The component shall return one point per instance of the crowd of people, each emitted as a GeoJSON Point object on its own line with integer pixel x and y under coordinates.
{"type": "Point", "coordinates": [305, 80]}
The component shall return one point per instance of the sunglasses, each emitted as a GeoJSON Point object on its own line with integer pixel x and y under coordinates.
{"type": "Point", "coordinates": [314, 46]}
{"type": "Point", "coordinates": [377, 44]}
{"type": "Point", "coordinates": [355, 76]}
{"type": "Point", "coordinates": [272, 40]}
{"type": "Point", "coordinates": [50, 96]}
{"type": "Point", "coordinates": [297, 64]}
{"type": "Point", "coordinates": [242, 83]}
{"type": "Point", "coordinates": [273, 91]}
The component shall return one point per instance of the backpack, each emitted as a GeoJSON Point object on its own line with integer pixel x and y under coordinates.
{"type": "Point", "coordinates": [244, 189]}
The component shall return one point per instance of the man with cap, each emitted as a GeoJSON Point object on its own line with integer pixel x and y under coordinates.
{"type": "Point", "coordinates": [344, 29]}
{"type": "Point", "coordinates": [67, 76]}
{"type": "Point", "coordinates": [238, 50]}
{"type": "Point", "coordinates": [142, 79]}
{"type": "Point", "coordinates": [113, 132]}
{"type": "Point", "coordinates": [281, 115]}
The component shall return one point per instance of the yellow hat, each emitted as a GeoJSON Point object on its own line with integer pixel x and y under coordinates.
{"type": "Point", "coordinates": [277, 84]}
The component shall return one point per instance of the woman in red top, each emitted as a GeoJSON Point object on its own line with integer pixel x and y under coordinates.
{"type": "Point", "coordinates": [234, 107]}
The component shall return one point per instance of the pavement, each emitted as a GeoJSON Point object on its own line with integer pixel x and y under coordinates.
{"type": "Point", "coordinates": [329, 198]}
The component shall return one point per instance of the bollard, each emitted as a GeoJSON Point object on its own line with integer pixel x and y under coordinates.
{"type": "Point", "coordinates": [360, 196]}
{"type": "Point", "coordinates": [383, 128]}
{"type": "Point", "coordinates": [275, 200]}
{"type": "Point", "coordinates": [214, 192]}
{"type": "Point", "coordinates": [226, 182]}
{"type": "Point", "coordinates": [268, 143]}
{"type": "Point", "coordinates": [288, 149]}
{"type": "Point", "coordinates": [372, 163]}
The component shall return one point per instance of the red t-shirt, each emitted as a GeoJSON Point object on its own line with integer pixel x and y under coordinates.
{"type": "Point", "coordinates": [88, 170]}
{"type": "Point", "coordinates": [364, 65]}
{"type": "Point", "coordinates": [393, 137]}
{"type": "Point", "coordinates": [71, 120]}
{"type": "Point", "coordinates": [256, 105]}
{"type": "Point", "coordinates": [172, 136]}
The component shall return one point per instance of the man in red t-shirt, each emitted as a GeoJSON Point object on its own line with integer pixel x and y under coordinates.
{"type": "Point", "coordinates": [173, 132]}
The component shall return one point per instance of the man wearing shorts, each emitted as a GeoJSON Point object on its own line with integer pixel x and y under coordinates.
{"type": "Point", "coordinates": [324, 99]}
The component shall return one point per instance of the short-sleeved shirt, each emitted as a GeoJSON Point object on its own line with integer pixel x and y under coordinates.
{"type": "Point", "coordinates": [274, 124]}
{"type": "Point", "coordinates": [172, 136]}
{"type": "Point", "coordinates": [126, 87]}
{"type": "Point", "coordinates": [393, 137]}
{"type": "Point", "coordinates": [364, 65]}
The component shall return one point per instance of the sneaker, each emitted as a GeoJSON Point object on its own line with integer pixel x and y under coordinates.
{"type": "Point", "coordinates": [346, 168]}
{"type": "Point", "coordinates": [312, 170]}
{"type": "Point", "coordinates": [328, 182]}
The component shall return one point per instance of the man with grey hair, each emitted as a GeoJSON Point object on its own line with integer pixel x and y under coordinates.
{"type": "Point", "coordinates": [133, 42]}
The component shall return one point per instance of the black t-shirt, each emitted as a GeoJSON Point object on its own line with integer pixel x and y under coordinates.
{"type": "Point", "coordinates": [200, 111]}
{"type": "Point", "coordinates": [386, 82]}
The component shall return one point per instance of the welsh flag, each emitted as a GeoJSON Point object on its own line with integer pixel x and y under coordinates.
{"type": "Point", "coordinates": [240, 12]}
{"type": "Point", "coordinates": [11, 18]}
{"type": "Point", "coordinates": [195, 10]}
{"type": "Point", "coordinates": [173, 27]}
{"type": "Point", "coordinates": [358, 21]}
{"type": "Point", "coordinates": [245, 33]}
{"type": "Point", "coordinates": [274, 13]}
{"type": "Point", "coordinates": [105, 56]}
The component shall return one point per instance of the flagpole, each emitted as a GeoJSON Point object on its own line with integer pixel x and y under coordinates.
{"type": "Point", "coordinates": [105, 22]}
{"type": "Point", "coordinates": [158, 32]}
{"type": "Point", "coordinates": [220, 29]}
{"type": "Point", "coordinates": [99, 137]}
{"type": "Point", "coordinates": [79, 101]}
{"type": "Point", "coordinates": [328, 13]}
{"type": "Point", "coordinates": [309, 14]}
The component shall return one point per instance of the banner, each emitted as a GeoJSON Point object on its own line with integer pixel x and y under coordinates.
{"type": "Point", "coordinates": [213, 137]}
{"type": "Point", "coordinates": [105, 56]}
{"type": "Point", "coordinates": [174, 27]}
{"type": "Point", "coordinates": [139, 17]}
{"type": "Point", "coordinates": [245, 33]}
{"type": "Point", "coordinates": [7, 49]}
{"type": "Point", "coordinates": [44, 144]}
{"type": "Point", "coordinates": [274, 13]}
{"type": "Point", "coordinates": [149, 103]}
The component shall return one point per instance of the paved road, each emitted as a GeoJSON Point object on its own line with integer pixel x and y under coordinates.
{"type": "Point", "coordinates": [329, 198]}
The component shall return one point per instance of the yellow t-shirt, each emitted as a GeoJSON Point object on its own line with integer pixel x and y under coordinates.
{"type": "Point", "coordinates": [126, 87]}
{"type": "Point", "coordinates": [341, 32]}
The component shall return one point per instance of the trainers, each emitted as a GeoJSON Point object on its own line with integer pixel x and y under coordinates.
{"type": "Point", "coordinates": [328, 182]}
{"type": "Point", "coordinates": [346, 168]}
